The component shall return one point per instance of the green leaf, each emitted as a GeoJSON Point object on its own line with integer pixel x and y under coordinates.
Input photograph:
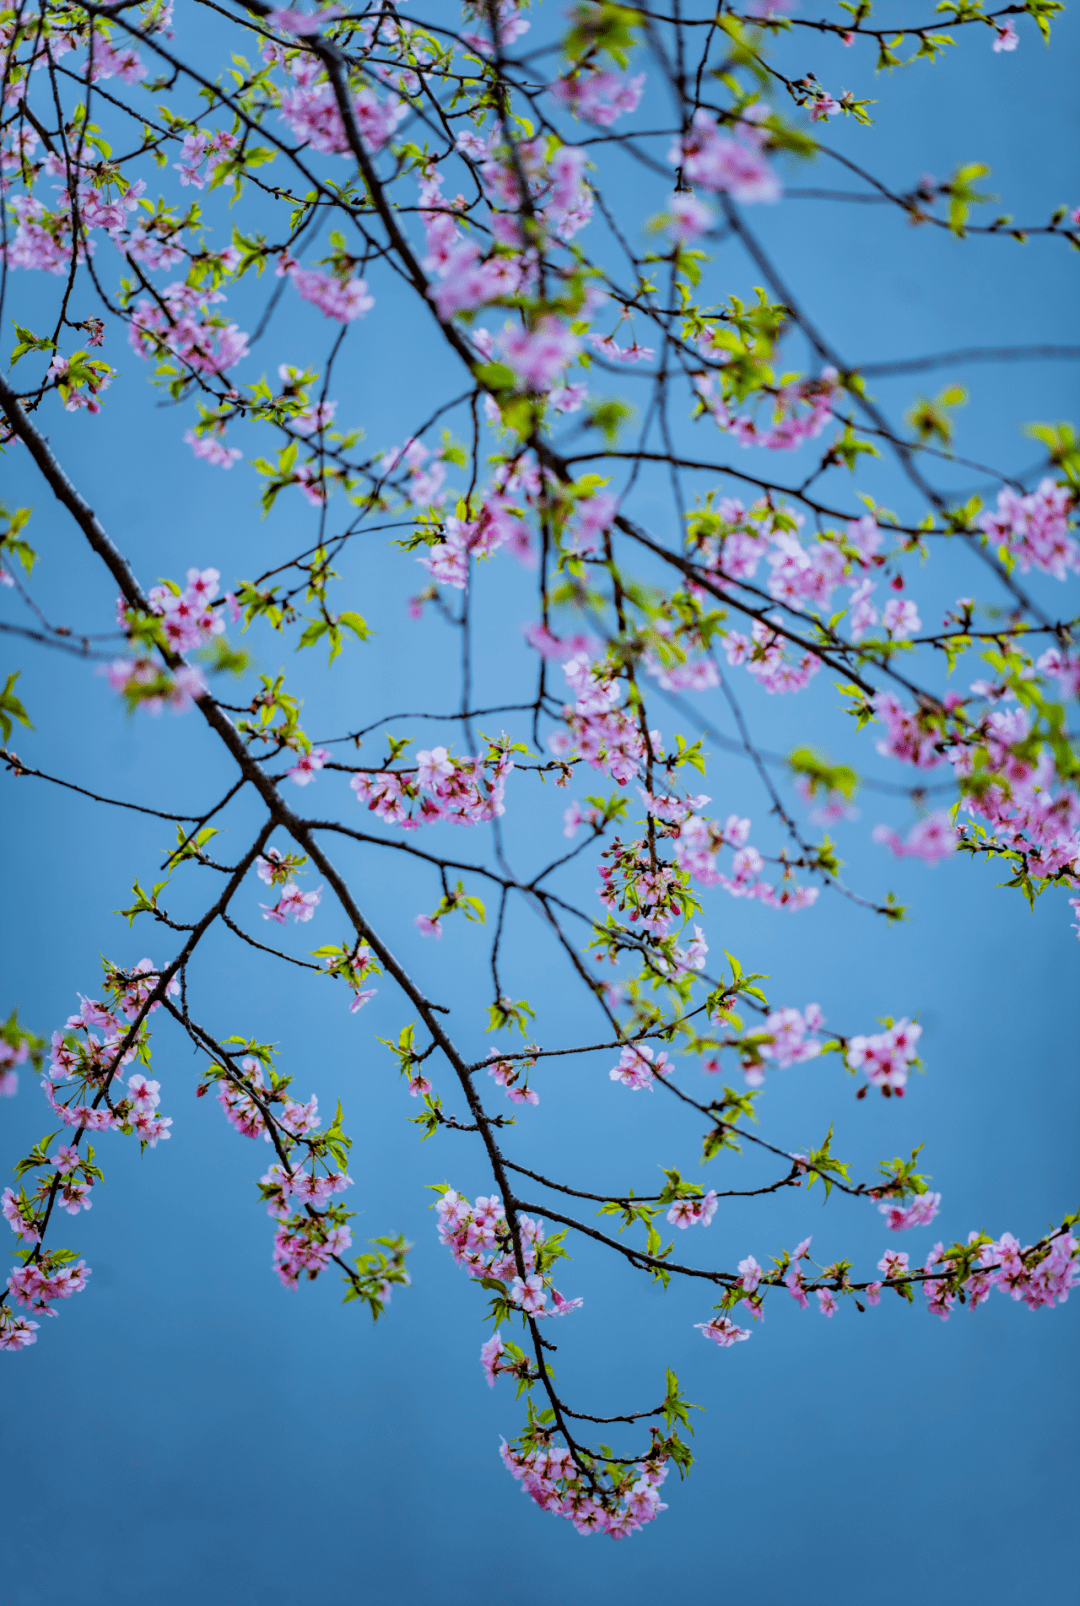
{"type": "Point", "coordinates": [28, 341]}
{"type": "Point", "coordinates": [11, 708]}
{"type": "Point", "coordinates": [496, 376]}
{"type": "Point", "coordinates": [359, 627]}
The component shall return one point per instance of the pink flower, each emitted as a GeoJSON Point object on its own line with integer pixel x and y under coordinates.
{"type": "Point", "coordinates": [863, 613]}
{"type": "Point", "coordinates": [690, 1212]}
{"type": "Point", "coordinates": [901, 618]}
{"type": "Point", "coordinates": [608, 347]}
{"type": "Point", "coordinates": [686, 217]}
{"type": "Point", "coordinates": [111, 63]}
{"type": "Point", "coordinates": [908, 738]}
{"type": "Point", "coordinates": [340, 299]}
{"type": "Point", "coordinates": [428, 927]}
{"type": "Point", "coordinates": [919, 1213]}
{"type": "Point", "coordinates": [15, 1331]}
{"type": "Point", "coordinates": [212, 448]}
{"type": "Point", "coordinates": [567, 398]}
{"type": "Point", "coordinates": [185, 326]}
{"type": "Point", "coordinates": [822, 107]}
{"type": "Point", "coordinates": [1007, 38]}
{"type": "Point", "coordinates": [72, 1197]}
{"type": "Point", "coordinates": [1035, 528]}
{"type": "Point", "coordinates": [145, 1096]}
{"type": "Point", "coordinates": [794, 1287]}
{"type": "Point", "coordinates": [932, 838]}
{"type": "Point", "coordinates": [718, 162]}
{"type": "Point", "coordinates": [893, 1263]}
{"type": "Point", "coordinates": [539, 356]}
{"type": "Point", "coordinates": [299, 23]}
{"type": "Point", "coordinates": [18, 1217]}
{"type": "Point", "coordinates": [636, 1068]}
{"type": "Point", "coordinates": [301, 905]}
{"type": "Point", "coordinates": [489, 1357]}
{"type": "Point", "coordinates": [886, 1056]}
{"type": "Point", "coordinates": [722, 1331]}
{"type": "Point", "coordinates": [306, 766]}
{"type": "Point", "coordinates": [529, 1293]}
{"type": "Point", "coordinates": [599, 97]}
{"type": "Point", "coordinates": [790, 1043]}
{"type": "Point", "coordinates": [433, 767]}
{"type": "Point", "coordinates": [750, 1273]}
{"type": "Point", "coordinates": [827, 1302]}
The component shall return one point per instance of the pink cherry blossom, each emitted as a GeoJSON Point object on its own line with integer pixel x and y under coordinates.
{"type": "Point", "coordinates": [490, 1352]}
{"type": "Point", "coordinates": [886, 1056]}
{"type": "Point", "coordinates": [308, 764]}
{"type": "Point", "coordinates": [599, 97]}
{"type": "Point", "coordinates": [693, 1212]}
{"type": "Point", "coordinates": [901, 618]}
{"type": "Point", "coordinates": [1034, 528]}
{"type": "Point", "coordinates": [750, 1273]}
{"type": "Point", "coordinates": [919, 1213]}
{"type": "Point", "coordinates": [293, 901]}
{"type": "Point", "coordinates": [340, 299]}
{"type": "Point", "coordinates": [212, 449]}
{"type": "Point", "coordinates": [639, 1068]}
{"type": "Point", "coordinates": [722, 1331]}
{"type": "Point", "coordinates": [717, 161]}
{"type": "Point", "coordinates": [538, 356]}
{"type": "Point", "coordinates": [932, 838]}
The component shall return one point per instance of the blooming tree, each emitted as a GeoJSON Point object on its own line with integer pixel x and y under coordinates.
{"type": "Point", "coordinates": [469, 161]}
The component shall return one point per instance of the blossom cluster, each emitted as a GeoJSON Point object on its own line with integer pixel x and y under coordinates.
{"type": "Point", "coordinates": [886, 1058]}
{"type": "Point", "coordinates": [299, 1188]}
{"type": "Point", "coordinates": [83, 1065]}
{"type": "Point", "coordinates": [1039, 1274]}
{"type": "Point", "coordinates": [462, 791]}
{"type": "Point", "coordinates": [1035, 528]}
{"type": "Point", "coordinates": [1009, 781]}
{"type": "Point", "coordinates": [731, 163]}
{"type": "Point", "coordinates": [85, 1091]}
{"type": "Point", "coordinates": [551, 1477]}
{"type": "Point", "coordinates": [180, 324]}
{"type": "Point", "coordinates": [599, 727]}
{"type": "Point", "coordinates": [698, 844]}
{"type": "Point", "coordinates": [800, 411]}
{"type": "Point", "coordinates": [479, 1238]}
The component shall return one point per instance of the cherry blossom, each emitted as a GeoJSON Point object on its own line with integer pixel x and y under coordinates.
{"type": "Point", "coordinates": [1034, 528]}
{"type": "Point", "coordinates": [932, 838]}
{"type": "Point", "coordinates": [638, 1067]}
{"type": "Point", "coordinates": [693, 1212]}
{"type": "Point", "coordinates": [887, 1056]}
{"type": "Point", "coordinates": [308, 765]}
{"type": "Point", "coordinates": [919, 1213]}
{"type": "Point", "coordinates": [722, 1331]}
{"type": "Point", "coordinates": [599, 97]}
{"type": "Point", "coordinates": [718, 161]}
